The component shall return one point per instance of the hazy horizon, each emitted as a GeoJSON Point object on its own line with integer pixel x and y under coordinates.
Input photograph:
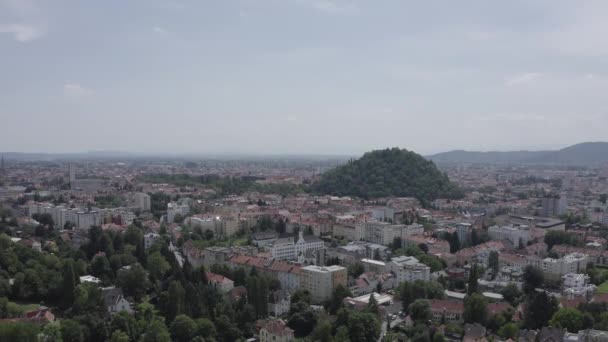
{"type": "Point", "coordinates": [300, 77]}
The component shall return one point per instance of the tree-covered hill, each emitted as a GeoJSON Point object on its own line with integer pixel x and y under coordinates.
{"type": "Point", "coordinates": [389, 172]}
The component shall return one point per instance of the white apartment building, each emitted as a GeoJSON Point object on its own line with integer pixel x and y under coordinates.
{"type": "Point", "coordinates": [320, 281]}
{"type": "Point", "coordinates": [463, 230]}
{"type": "Point", "coordinates": [174, 209]}
{"type": "Point", "coordinates": [61, 215]}
{"type": "Point", "coordinates": [142, 201]}
{"type": "Point", "coordinates": [412, 229]}
{"type": "Point", "coordinates": [408, 268]}
{"type": "Point", "coordinates": [382, 233]}
{"type": "Point", "coordinates": [576, 284]}
{"type": "Point", "coordinates": [516, 234]}
{"type": "Point", "coordinates": [86, 219]}
{"type": "Point", "coordinates": [220, 226]}
{"type": "Point", "coordinates": [80, 218]}
{"type": "Point", "coordinates": [553, 206]}
{"type": "Point", "coordinates": [287, 249]}
{"type": "Point", "coordinates": [555, 269]}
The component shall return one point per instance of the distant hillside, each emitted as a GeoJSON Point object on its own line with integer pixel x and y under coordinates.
{"type": "Point", "coordinates": [389, 172]}
{"type": "Point", "coordinates": [579, 154]}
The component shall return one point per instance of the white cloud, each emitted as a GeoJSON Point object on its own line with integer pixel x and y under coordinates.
{"type": "Point", "coordinates": [75, 91]}
{"type": "Point", "coordinates": [25, 20]}
{"type": "Point", "coordinates": [22, 33]}
{"type": "Point", "coordinates": [525, 78]}
{"type": "Point", "coordinates": [512, 117]}
{"type": "Point", "coordinates": [160, 30]}
{"type": "Point", "coordinates": [330, 6]}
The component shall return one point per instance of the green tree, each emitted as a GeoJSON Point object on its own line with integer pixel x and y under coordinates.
{"type": "Point", "coordinates": [226, 330]}
{"type": "Point", "coordinates": [454, 242]}
{"type": "Point", "coordinates": [355, 270]}
{"type": "Point", "coordinates": [337, 298]}
{"type": "Point", "coordinates": [119, 336]}
{"type": "Point", "coordinates": [18, 331]}
{"type": "Point", "coordinates": [205, 328]}
{"type": "Point", "coordinates": [533, 278]}
{"type": "Point", "coordinates": [539, 309]}
{"type": "Point", "coordinates": [52, 332]}
{"type": "Point", "coordinates": [71, 331]}
{"type": "Point", "coordinates": [475, 309]}
{"type": "Point", "coordinates": [156, 332]}
{"type": "Point", "coordinates": [100, 268]}
{"type": "Point", "coordinates": [363, 327]}
{"type": "Point", "coordinates": [342, 334]}
{"type": "Point", "coordinates": [493, 262]}
{"type": "Point", "coordinates": [257, 294]}
{"type": "Point", "coordinates": [69, 284]}
{"type": "Point", "coordinates": [134, 281]}
{"type": "Point", "coordinates": [420, 310]}
{"type": "Point", "coordinates": [438, 337]}
{"type": "Point", "coordinates": [157, 265]}
{"type": "Point", "coordinates": [323, 332]}
{"type": "Point", "coordinates": [568, 318]}
{"type": "Point", "coordinates": [508, 331]}
{"type": "Point", "coordinates": [372, 305]}
{"type": "Point", "coordinates": [511, 294]}
{"type": "Point", "coordinates": [472, 283]}
{"type": "Point", "coordinates": [126, 323]}
{"type": "Point", "coordinates": [177, 298]}
{"type": "Point", "coordinates": [557, 237]}
{"type": "Point", "coordinates": [183, 328]}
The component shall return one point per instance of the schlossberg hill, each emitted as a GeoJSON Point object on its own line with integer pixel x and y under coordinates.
{"type": "Point", "coordinates": [390, 172]}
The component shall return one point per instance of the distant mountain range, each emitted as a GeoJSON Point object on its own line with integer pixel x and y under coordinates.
{"type": "Point", "coordinates": [580, 154]}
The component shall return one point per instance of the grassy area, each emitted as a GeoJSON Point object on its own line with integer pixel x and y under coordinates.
{"type": "Point", "coordinates": [603, 288]}
{"type": "Point", "coordinates": [18, 309]}
{"type": "Point", "coordinates": [25, 307]}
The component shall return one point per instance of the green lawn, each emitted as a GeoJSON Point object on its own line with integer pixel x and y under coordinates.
{"type": "Point", "coordinates": [603, 288]}
{"type": "Point", "coordinates": [19, 309]}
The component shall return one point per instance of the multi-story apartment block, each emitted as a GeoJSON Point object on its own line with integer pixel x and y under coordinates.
{"type": "Point", "coordinates": [463, 230]}
{"type": "Point", "coordinates": [577, 284]}
{"type": "Point", "coordinates": [220, 226]}
{"type": "Point", "coordinates": [519, 235]}
{"type": "Point", "coordinates": [382, 233]}
{"type": "Point", "coordinates": [141, 200]}
{"type": "Point", "coordinates": [174, 209]}
{"type": "Point", "coordinates": [320, 281]}
{"type": "Point", "coordinates": [555, 269]}
{"type": "Point", "coordinates": [408, 268]}
{"type": "Point", "coordinates": [554, 205]}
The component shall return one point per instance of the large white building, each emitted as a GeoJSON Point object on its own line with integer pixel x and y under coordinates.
{"type": "Point", "coordinates": [220, 226]}
{"type": "Point", "coordinates": [408, 268]}
{"type": "Point", "coordinates": [174, 209]}
{"type": "Point", "coordinates": [577, 284]}
{"type": "Point", "coordinates": [383, 233]}
{"type": "Point", "coordinates": [519, 235]}
{"type": "Point", "coordinates": [320, 281]}
{"type": "Point", "coordinates": [554, 205]}
{"type": "Point", "coordinates": [288, 249]}
{"type": "Point", "coordinates": [61, 215]}
{"type": "Point", "coordinates": [80, 218]}
{"type": "Point", "coordinates": [555, 269]}
{"type": "Point", "coordinates": [463, 230]}
{"type": "Point", "coordinates": [141, 200]}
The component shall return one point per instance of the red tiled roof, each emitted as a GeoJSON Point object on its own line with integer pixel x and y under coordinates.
{"type": "Point", "coordinates": [497, 308]}
{"type": "Point", "coordinates": [217, 278]}
{"type": "Point", "coordinates": [447, 305]}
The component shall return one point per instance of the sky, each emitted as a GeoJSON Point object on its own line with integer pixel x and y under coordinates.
{"type": "Point", "coordinates": [301, 76]}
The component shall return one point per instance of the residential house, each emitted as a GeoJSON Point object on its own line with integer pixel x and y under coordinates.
{"type": "Point", "coordinates": [114, 301]}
